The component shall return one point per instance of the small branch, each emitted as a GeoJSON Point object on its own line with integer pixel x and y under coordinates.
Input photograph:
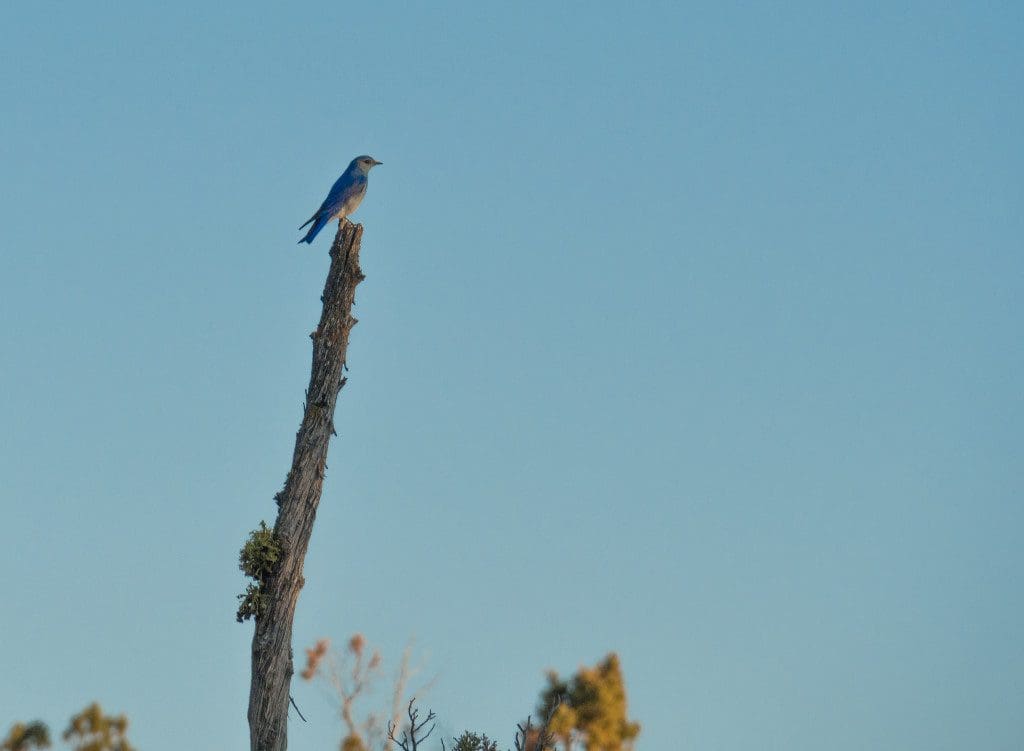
{"type": "Point", "coordinates": [530, 739]}
{"type": "Point", "coordinates": [412, 738]}
{"type": "Point", "coordinates": [292, 700]}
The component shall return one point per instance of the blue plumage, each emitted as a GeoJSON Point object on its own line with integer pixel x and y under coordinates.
{"type": "Point", "coordinates": [345, 196]}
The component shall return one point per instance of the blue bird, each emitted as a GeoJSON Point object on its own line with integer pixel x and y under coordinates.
{"type": "Point", "coordinates": [344, 198]}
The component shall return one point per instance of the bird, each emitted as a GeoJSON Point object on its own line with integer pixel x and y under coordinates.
{"type": "Point", "coordinates": [345, 196]}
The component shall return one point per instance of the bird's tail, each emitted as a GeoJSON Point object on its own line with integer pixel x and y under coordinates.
{"type": "Point", "coordinates": [315, 229]}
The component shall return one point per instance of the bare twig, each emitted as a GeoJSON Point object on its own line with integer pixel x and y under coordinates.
{"type": "Point", "coordinates": [412, 737]}
{"type": "Point", "coordinates": [292, 700]}
{"type": "Point", "coordinates": [529, 738]}
{"type": "Point", "coordinates": [354, 672]}
{"type": "Point", "coordinates": [402, 677]}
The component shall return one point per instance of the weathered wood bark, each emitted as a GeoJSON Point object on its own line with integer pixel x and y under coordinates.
{"type": "Point", "coordinates": [298, 500]}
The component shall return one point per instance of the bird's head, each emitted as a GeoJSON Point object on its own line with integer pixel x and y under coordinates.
{"type": "Point", "coordinates": [363, 164]}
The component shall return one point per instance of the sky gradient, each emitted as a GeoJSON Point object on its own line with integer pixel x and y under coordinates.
{"type": "Point", "coordinates": [690, 331]}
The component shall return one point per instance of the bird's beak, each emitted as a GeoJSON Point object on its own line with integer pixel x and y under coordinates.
{"type": "Point", "coordinates": [375, 162]}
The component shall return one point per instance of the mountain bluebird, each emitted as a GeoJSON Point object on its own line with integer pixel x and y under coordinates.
{"type": "Point", "coordinates": [344, 197]}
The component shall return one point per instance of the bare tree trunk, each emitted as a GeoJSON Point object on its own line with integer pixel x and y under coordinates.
{"type": "Point", "coordinates": [297, 502]}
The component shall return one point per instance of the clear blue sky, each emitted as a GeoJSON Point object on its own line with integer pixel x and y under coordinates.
{"type": "Point", "coordinates": [690, 331]}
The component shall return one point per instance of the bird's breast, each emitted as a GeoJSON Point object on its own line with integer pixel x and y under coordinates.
{"type": "Point", "coordinates": [351, 203]}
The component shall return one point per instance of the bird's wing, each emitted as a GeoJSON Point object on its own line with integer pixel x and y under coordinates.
{"type": "Point", "coordinates": [344, 189]}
